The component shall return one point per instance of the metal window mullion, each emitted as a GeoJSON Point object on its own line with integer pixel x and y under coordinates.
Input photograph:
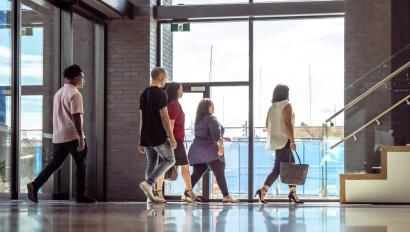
{"type": "Point", "coordinates": [250, 114]}
{"type": "Point", "coordinates": [15, 99]}
{"type": "Point", "coordinates": [159, 45]}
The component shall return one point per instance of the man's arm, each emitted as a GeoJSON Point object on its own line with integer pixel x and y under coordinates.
{"type": "Point", "coordinates": [77, 111]}
{"type": "Point", "coordinates": [79, 128]}
{"type": "Point", "coordinates": [166, 123]}
{"type": "Point", "coordinates": [140, 148]}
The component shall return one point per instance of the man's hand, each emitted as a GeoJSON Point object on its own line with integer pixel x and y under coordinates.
{"type": "Point", "coordinates": [173, 143]}
{"type": "Point", "coordinates": [81, 144]}
{"type": "Point", "coordinates": [141, 149]}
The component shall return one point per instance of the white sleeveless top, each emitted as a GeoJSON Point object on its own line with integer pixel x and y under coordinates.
{"type": "Point", "coordinates": [277, 137]}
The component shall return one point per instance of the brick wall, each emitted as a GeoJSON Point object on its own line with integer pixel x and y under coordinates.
{"type": "Point", "coordinates": [130, 56]}
{"type": "Point", "coordinates": [401, 84]}
{"type": "Point", "coordinates": [367, 44]}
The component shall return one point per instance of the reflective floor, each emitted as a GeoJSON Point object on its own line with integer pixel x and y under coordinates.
{"type": "Point", "coordinates": [131, 216]}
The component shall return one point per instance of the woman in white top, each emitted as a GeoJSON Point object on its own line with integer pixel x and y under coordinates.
{"type": "Point", "coordinates": [279, 124]}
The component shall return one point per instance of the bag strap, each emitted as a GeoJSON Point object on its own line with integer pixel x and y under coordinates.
{"type": "Point", "coordinates": [297, 155]}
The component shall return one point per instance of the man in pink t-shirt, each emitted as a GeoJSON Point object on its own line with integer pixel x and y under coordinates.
{"type": "Point", "coordinates": [68, 135]}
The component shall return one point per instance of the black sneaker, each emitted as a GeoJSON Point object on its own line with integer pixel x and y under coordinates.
{"type": "Point", "coordinates": [86, 199]}
{"type": "Point", "coordinates": [32, 192]}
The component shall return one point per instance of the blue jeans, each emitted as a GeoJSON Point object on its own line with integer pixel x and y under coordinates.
{"type": "Point", "coordinates": [155, 170]}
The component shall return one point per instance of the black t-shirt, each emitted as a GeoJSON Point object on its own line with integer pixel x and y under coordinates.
{"type": "Point", "coordinates": [152, 100]}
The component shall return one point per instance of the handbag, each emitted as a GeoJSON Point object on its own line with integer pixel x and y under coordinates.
{"type": "Point", "coordinates": [293, 174]}
{"type": "Point", "coordinates": [171, 174]}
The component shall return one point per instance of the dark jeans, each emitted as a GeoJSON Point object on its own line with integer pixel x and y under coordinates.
{"type": "Point", "coordinates": [218, 168]}
{"type": "Point", "coordinates": [281, 155]}
{"type": "Point", "coordinates": [60, 153]}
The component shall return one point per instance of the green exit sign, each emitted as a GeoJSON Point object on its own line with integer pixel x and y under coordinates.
{"type": "Point", "coordinates": [179, 27]}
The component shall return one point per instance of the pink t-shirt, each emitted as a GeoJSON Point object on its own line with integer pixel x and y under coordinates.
{"type": "Point", "coordinates": [67, 101]}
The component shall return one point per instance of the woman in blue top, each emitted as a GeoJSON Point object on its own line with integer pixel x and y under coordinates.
{"type": "Point", "coordinates": [206, 151]}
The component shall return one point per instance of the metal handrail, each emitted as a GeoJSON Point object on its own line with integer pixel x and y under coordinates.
{"type": "Point", "coordinates": [369, 91]}
{"type": "Point", "coordinates": [376, 119]}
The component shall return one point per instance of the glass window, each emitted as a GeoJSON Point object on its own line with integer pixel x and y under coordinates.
{"type": "Point", "coordinates": [31, 59]}
{"type": "Point", "coordinates": [198, 2]}
{"type": "Point", "coordinates": [211, 52]}
{"type": "Point", "coordinates": [5, 92]}
{"type": "Point", "coordinates": [166, 50]}
{"type": "Point", "coordinates": [39, 79]}
{"type": "Point", "coordinates": [308, 56]}
{"type": "Point", "coordinates": [231, 110]}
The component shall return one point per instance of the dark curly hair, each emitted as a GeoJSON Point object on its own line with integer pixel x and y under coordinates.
{"type": "Point", "coordinates": [72, 71]}
{"type": "Point", "coordinates": [172, 91]}
{"type": "Point", "coordinates": [203, 109]}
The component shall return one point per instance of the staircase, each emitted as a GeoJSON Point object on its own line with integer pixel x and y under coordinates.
{"type": "Point", "coordinates": [373, 103]}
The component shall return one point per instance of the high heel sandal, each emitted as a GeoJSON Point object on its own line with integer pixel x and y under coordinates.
{"type": "Point", "coordinates": [293, 198]}
{"type": "Point", "coordinates": [261, 196]}
{"type": "Point", "coordinates": [190, 198]}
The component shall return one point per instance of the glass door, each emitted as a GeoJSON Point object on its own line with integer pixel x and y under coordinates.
{"type": "Point", "coordinates": [231, 110]}
{"type": "Point", "coordinates": [39, 62]}
{"type": "Point", "coordinates": [5, 92]}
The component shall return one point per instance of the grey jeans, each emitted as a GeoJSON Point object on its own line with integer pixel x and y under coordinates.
{"type": "Point", "coordinates": [155, 170]}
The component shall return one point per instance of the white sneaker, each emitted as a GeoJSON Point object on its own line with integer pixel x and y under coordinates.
{"type": "Point", "coordinates": [147, 189]}
{"type": "Point", "coordinates": [186, 198]}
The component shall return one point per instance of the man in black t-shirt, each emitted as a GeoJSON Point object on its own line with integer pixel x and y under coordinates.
{"type": "Point", "coordinates": [156, 137]}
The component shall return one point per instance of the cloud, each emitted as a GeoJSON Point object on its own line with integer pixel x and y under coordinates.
{"type": "Point", "coordinates": [31, 120]}
{"type": "Point", "coordinates": [5, 72]}
{"type": "Point", "coordinates": [5, 53]}
{"type": "Point", "coordinates": [31, 66]}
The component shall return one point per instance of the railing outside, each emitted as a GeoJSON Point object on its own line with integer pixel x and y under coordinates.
{"type": "Point", "coordinates": [322, 181]}
{"type": "Point", "coordinates": [31, 159]}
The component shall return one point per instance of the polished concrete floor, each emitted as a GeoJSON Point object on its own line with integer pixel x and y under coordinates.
{"type": "Point", "coordinates": [132, 216]}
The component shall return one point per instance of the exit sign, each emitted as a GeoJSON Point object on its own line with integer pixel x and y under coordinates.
{"type": "Point", "coordinates": [175, 27]}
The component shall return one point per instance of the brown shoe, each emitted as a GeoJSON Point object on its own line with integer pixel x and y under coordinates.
{"type": "Point", "coordinates": [32, 192]}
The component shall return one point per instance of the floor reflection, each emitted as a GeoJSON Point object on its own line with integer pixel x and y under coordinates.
{"type": "Point", "coordinates": [131, 216]}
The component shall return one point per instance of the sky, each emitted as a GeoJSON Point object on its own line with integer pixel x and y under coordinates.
{"type": "Point", "coordinates": [31, 73]}
{"type": "Point", "coordinates": [283, 51]}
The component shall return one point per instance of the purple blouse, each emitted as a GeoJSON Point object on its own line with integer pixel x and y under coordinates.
{"type": "Point", "coordinates": [204, 148]}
